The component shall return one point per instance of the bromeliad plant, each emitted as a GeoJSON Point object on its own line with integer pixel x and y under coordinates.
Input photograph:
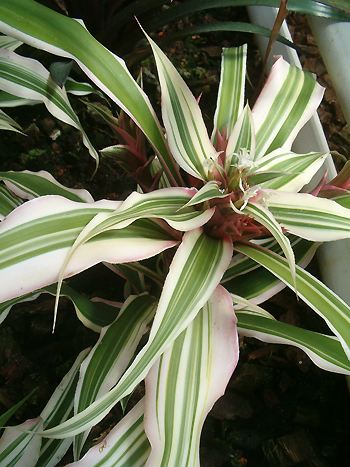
{"type": "Point", "coordinates": [219, 249]}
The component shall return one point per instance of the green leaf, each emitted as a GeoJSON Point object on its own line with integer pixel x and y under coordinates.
{"type": "Point", "coordinates": [194, 273]}
{"type": "Point", "coordinates": [310, 7]}
{"type": "Point", "coordinates": [43, 28]}
{"type": "Point", "coordinates": [230, 100]}
{"type": "Point", "coordinates": [320, 298]}
{"type": "Point", "coordinates": [184, 384]}
{"type": "Point", "coordinates": [9, 43]}
{"type": "Point", "coordinates": [59, 72]}
{"type": "Point", "coordinates": [12, 410]}
{"type": "Point", "coordinates": [242, 136]}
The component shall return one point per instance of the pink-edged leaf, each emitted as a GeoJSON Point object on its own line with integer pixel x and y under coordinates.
{"type": "Point", "coordinates": [287, 101]}
{"type": "Point", "coordinates": [194, 273]}
{"type": "Point", "coordinates": [184, 384]}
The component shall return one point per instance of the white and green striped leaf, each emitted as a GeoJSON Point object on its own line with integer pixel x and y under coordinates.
{"type": "Point", "coordinates": [325, 351]}
{"type": "Point", "coordinates": [93, 314]}
{"type": "Point", "coordinates": [230, 100]}
{"type": "Point", "coordinates": [9, 100]}
{"type": "Point", "coordinates": [29, 185]}
{"type": "Point", "coordinates": [9, 43]}
{"type": "Point", "coordinates": [258, 284]}
{"type": "Point", "coordinates": [111, 355]}
{"type": "Point", "coordinates": [242, 135]}
{"type": "Point", "coordinates": [184, 384]}
{"type": "Point", "coordinates": [7, 123]}
{"type": "Point", "coordinates": [45, 29]}
{"type": "Point", "coordinates": [209, 191]}
{"type": "Point", "coordinates": [320, 298]}
{"type": "Point", "coordinates": [309, 217]}
{"type": "Point", "coordinates": [58, 409]}
{"type": "Point", "coordinates": [27, 78]}
{"type": "Point", "coordinates": [40, 233]}
{"type": "Point", "coordinates": [77, 88]}
{"type": "Point", "coordinates": [186, 132]}
{"type": "Point", "coordinates": [20, 445]}
{"type": "Point", "coordinates": [194, 273]}
{"type": "Point", "coordinates": [8, 201]}
{"type": "Point", "coordinates": [265, 218]}
{"type": "Point", "coordinates": [287, 101]}
{"type": "Point", "coordinates": [295, 170]}
{"type": "Point", "coordinates": [125, 445]}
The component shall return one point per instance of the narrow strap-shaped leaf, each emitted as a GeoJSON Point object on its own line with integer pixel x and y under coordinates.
{"type": "Point", "coordinates": [194, 273]}
{"type": "Point", "coordinates": [305, 215]}
{"type": "Point", "coordinates": [9, 43]}
{"type": "Point", "coordinates": [29, 185]}
{"type": "Point", "coordinates": [186, 381]}
{"type": "Point", "coordinates": [92, 314]}
{"type": "Point", "coordinates": [230, 98]}
{"type": "Point", "coordinates": [27, 78]}
{"type": "Point", "coordinates": [77, 88]}
{"type": "Point", "coordinates": [111, 355]}
{"type": "Point", "coordinates": [8, 201]}
{"type": "Point", "coordinates": [125, 445]}
{"type": "Point", "coordinates": [325, 351]}
{"type": "Point", "coordinates": [311, 7]}
{"type": "Point", "coordinates": [320, 298]}
{"type": "Point", "coordinates": [264, 217]}
{"type": "Point", "coordinates": [43, 28]}
{"type": "Point", "coordinates": [296, 170]}
{"type": "Point", "coordinates": [186, 132]}
{"type": "Point", "coordinates": [258, 284]}
{"type": "Point", "coordinates": [12, 410]}
{"type": "Point", "coordinates": [287, 101]}
{"type": "Point", "coordinates": [209, 191]}
{"type": "Point", "coordinates": [20, 445]}
{"type": "Point", "coordinates": [41, 232]}
{"type": "Point", "coordinates": [7, 123]}
{"type": "Point", "coordinates": [242, 136]}
{"type": "Point", "coordinates": [9, 100]}
{"type": "Point", "coordinates": [58, 409]}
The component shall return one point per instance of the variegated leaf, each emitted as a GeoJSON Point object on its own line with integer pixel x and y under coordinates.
{"type": "Point", "coordinates": [111, 355]}
{"type": "Point", "coordinates": [29, 185]}
{"type": "Point", "coordinates": [57, 410]}
{"type": "Point", "coordinates": [8, 201]}
{"type": "Point", "coordinates": [7, 123]}
{"type": "Point", "coordinates": [242, 136]}
{"type": "Point", "coordinates": [194, 273]}
{"type": "Point", "coordinates": [320, 298]}
{"type": "Point", "coordinates": [230, 99]}
{"type": "Point", "coordinates": [27, 78]}
{"type": "Point", "coordinates": [20, 445]}
{"type": "Point", "coordinates": [186, 381]}
{"type": "Point", "coordinates": [47, 30]}
{"type": "Point", "coordinates": [287, 101]}
{"type": "Point", "coordinates": [125, 445]}
{"type": "Point", "coordinates": [9, 43]}
{"type": "Point", "coordinates": [186, 132]}
{"type": "Point", "coordinates": [309, 217]}
{"type": "Point", "coordinates": [41, 232]}
{"type": "Point", "coordinates": [295, 170]}
{"type": "Point", "coordinates": [325, 351]}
